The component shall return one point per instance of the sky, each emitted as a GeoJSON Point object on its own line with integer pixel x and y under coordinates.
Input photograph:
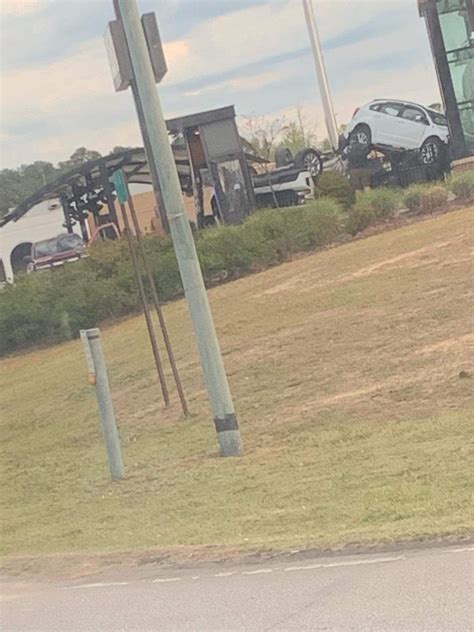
{"type": "Point", "coordinates": [56, 90]}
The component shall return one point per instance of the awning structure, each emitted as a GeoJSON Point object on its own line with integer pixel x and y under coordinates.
{"type": "Point", "coordinates": [85, 184]}
{"type": "Point", "coordinates": [87, 189]}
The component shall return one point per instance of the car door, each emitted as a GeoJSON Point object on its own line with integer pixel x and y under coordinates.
{"type": "Point", "coordinates": [412, 126]}
{"type": "Point", "coordinates": [387, 124]}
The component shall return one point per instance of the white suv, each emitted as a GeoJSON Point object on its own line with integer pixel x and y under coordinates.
{"type": "Point", "coordinates": [402, 125]}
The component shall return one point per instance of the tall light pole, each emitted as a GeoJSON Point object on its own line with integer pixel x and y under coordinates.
{"type": "Point", "coordinates": [329, 115]}
{"type": "Point", "coordinates": [225, 419]}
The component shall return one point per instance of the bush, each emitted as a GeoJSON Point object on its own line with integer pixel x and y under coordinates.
{"type": "Point", "coordinates": [52, 306]}
{"type": "Point", "coordinates": [321, 222]}
{"type": "Point", "coordinates": [413, 197]}
{"type": "Point", "coordinates": [371, 205]}
{"type": "Point", "coordinates": [385, 201]}
{"type": "Point", "coordinates": [335, 185]}
{"type": "Point", "coordinates": [360, 217]}
{"type": "Point", "coordinates": [433, 198]}
{"type": "Point", "coordinates": [223, 251]}
{"type": "Point", "coordinates": [425, 198]}
{"type": "Point", "coordinates": [49, 307]}
{"type": "Point", "coordinates": [273, 235]}
{"type": "Point", "coordinates": [462, 185]}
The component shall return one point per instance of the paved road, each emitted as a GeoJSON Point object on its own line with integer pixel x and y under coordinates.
{"type": "Point", "coordinates": [429, 590]}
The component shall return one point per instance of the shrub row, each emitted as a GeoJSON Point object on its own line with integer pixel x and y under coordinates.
{"type": "Point", "coordinates": [372, 205]}
{"type": "Point", "coordinates": [462, 185]}
{"type": "Point", "coordinates": [421, 198]}
{"type": "Point", "coordinates": [334, 185]}
{"type": "Point", "coordinates": [376, 204]}
{"type": "Point", "coordinates": [52, 306]}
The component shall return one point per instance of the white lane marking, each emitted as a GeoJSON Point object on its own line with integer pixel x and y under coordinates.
{"type": "Point", "coordinates": [258, 571]}
{"type": "Point", "coordinates": [463, 550]}
{"type": "Point", "coordinates": [166, 579]}
{"type": "Point", "coordinates": [225, 574]}
{"type": "Point", "coordinates": [196, 577]}
{"type": "Point", "coordinates": [97, 585]}
{"type": "Point", "coordinates": [350, 563]}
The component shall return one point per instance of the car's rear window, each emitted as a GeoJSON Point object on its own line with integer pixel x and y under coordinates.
{"type": "Point", "coordinates": [45, 248]}
{"type": "Point", "coordinates": [63, 243]}
{"type": "Point", "coordinates": [69, 242]}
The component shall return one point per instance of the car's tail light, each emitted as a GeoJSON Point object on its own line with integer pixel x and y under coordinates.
{"type": "Point", "coordinates": [355, 112]}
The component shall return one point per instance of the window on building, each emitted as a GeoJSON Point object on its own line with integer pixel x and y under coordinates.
{"type": "Point", "coordinates": [456, 18]}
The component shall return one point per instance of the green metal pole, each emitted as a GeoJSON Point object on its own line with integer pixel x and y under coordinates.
{"type": "Point", "coordinates": [225, 419]}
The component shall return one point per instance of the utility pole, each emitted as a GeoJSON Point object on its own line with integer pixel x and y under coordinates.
{"type": "Point", "coordinates": [225, 419]}
{"type": "Point", "coordinates": [146, 142]}
{"type": "Point", "coordinates": [329, 115]}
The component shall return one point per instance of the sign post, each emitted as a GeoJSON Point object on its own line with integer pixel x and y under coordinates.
{"type": "Point", "coordinates": [225, 419]}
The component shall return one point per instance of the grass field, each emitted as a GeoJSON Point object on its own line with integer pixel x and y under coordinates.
{"type": "Point", "coordinates": [344, 366]}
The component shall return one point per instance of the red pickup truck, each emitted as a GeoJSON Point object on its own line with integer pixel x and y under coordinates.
{"type": "Point", "coordinates": [55, 252]}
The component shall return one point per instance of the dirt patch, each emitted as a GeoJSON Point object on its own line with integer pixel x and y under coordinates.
{"type": "Point", "coordinates": [446, 345]}
{"type": "Point", "coordinates": [425, 256]}
{"type": "Point", "coordinates": [413, 256]}
{"type": "Point", "coordinates": [435, 374]}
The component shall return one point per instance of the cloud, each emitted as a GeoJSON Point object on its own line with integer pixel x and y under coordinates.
{"type": "Point", "coordinates": [57, 91]}
{"type": "Point", "coordinates": [19, 7]}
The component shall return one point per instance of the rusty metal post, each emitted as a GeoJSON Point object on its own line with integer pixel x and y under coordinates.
{"type": "Point", "coordinates": [146, 309]}
{"type": "Point", "coordinates": [156, 301]}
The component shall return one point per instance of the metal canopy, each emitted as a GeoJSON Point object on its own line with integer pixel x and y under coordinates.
{"type": "Point", "coordinates": [91, 175]}
{"type": "Point", "coordinates": [80, 187]}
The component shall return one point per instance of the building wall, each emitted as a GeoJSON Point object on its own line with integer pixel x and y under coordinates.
{"type": "Point", "coordinates": [148, 218]}
{"type": "Point", "coordinates": [43, 221]}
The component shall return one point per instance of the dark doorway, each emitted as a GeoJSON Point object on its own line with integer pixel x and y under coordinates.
{"type": "Point", "coordinates": [17, 257]}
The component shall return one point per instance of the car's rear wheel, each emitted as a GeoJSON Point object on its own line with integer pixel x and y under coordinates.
{"type": "Point", "coordinates": [362, 134]}
{"type": "Point", "coordinates": [310, 160]}
{"type": "Point", "coordinates": [431, 151]}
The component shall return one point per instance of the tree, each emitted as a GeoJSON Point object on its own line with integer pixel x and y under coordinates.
{"type": "Point", "coordinates": [18, 184]}
{"type": "Point", "coordinates": [79, 157]}
{"type": "Point", "coordinates": [40, 172]}
{"type": "Point", "coordinates": [10, 189]}
{"type": "Point", "coordinates": [299, 134]}
{"type": "Point", "coordinates": [118, 149]}
{"type": "Point", "coordinates": [262, 133]}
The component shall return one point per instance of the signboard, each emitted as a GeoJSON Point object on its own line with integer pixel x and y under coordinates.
{"type": "Point", "coordinates": [118, 178]}
{"type": "Point", "coordinates": [119, 57]}
{"type": "Point", "coordinates": [117, 53]}
{"type": "Point", "coordinates": [155, 47]}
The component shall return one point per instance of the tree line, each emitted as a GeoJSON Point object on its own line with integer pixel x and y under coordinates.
{"type": "Point", "coordinates": [18, 184]}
